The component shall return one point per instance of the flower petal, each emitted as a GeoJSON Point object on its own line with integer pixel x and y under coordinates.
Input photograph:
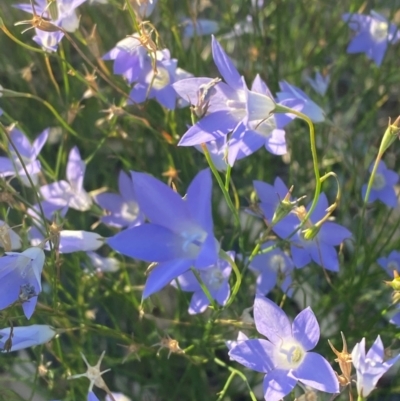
{"type": "Point", "coordinates": [163, 274]}
{"type": "Point", "coordinates": [306, 329]}
{"type": "Point", "coordinates": [277, 385]}
{"type": "Point", "coordinates": [316, 372]}
{"type": "Point", "coordinates": [254, 354]}
{"type": "Point", "coordinates": [271, 321]}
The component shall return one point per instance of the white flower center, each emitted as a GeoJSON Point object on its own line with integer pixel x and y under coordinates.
{"type": "Point", "coordinates": [289, 355]}
{"type": "Point", "coordinates": [379, 181]}
{"type": "Point", "coordinates": [379, 30]}
{"type": "Point", "coordinates": [212, 277]}
{"type": "Point", "coordinates": [277, 263]}
{"type": "Point", "coordinates": [193, 240]}
{"type": "Point", "coordinates": [161, 79]}
{"type": "Point", "coordinates": [130, 211]}
{"type": "Point", "coordinates": [238, 105]}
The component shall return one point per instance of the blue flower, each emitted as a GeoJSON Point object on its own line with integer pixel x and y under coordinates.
{"type": "Point", "coordinates": [306, 105]}
{"type": "Point", "coordinates": [321, 246]}
{"type": "Point", "coordinates": [66, 18]}
{"type": "Point", "coordinates": [383, 185]}
{"type": "Point", "coordinates": [20, 278]}
{"type": "Point", "coordinates": [158, 85]}
{"type": "Point", "coordinates": [273, 267]}
{"type": "Point", "coordinates": [391, 263]}
{"type": "Point", "coordinates": [370, 367]}
{"type": "Point", "coordinates": [215, 278]}
{"type": "Point", "coordinates": [228, 106]}
{"type": "Point", "coordinates": [320, 83]}
{"type": "Point", "coordinates": [29, 153]}
{"type": "Point", "coordinates": [17, 338]}
{"type": "Point", "coordinates": [62, 195]}
{"type": "Point", "coordinates": [285, 358]}
{"type": "Point", "coordinates": [198, 27]}
{"type": "Point", "coordinates": [122, 209]}
{"type": "Point", "coordinates": [130, 58]}
{"type": "Point", "coordinates": [373, 34]}
{"type": "Point", "coordinates": [180, 232]}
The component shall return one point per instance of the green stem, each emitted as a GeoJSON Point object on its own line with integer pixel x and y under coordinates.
{"type": "Point", "coordinates": [221, 185]}
{"type": "Point", "coordinates": [236, 372]}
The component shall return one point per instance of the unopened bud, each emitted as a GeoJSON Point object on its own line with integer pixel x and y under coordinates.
{"type": "Point", "coordinates": [392, 132]}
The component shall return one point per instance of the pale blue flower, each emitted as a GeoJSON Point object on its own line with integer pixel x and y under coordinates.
{"type": "Point", "coordinates": [25, 336]}
{"type": "Point", "coordinates": [370, 367]}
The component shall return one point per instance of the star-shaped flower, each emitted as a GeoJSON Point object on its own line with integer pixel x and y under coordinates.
{"type": "Point", "coordinates": [123, 209]}
{"type": "Point", "coordinates": [373, 34]}
{"type": "Point", "coordinates": [285, 358]}
{"type": "Point", "coordinates": [320, 246]}
{"type": "Point", "coordinates": [180, 233]}
{"type": "Point", "coordinates": [383, 185]}
{"type": "Point", "coordinates": [29, 152]}
{"type": "Point", "coordinates": [370, 367]}
{"type": "Point", "coordinates": [93, 373]}
{"type": "Point", "coordinates": [62, 195]}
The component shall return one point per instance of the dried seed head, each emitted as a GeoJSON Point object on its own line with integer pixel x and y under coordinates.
{"type": "Point", "coordinates": [170, 344]}
{"type": "Point", "coordinates": [344, 360]}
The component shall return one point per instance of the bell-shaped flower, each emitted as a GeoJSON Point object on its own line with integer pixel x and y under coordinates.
{"type": "Point", "coordinates": [320, 83]}
{"type": "Point", "coordinates": [321, 246]}
{"type": "Point", "coordinates": [157, 84]}
{"type": "Point", "coordinates": [216, 280]}
{"type": "Point", "coordinates": [391, 263]}
{"type": "Point", "coordinates": [62, 195]}
{"type": "Point", "coordinates": [61, 13]}
{"type": "Point", "coordinates": [218, 150]}
{"type": "Point", "coordinates": [266, 132]}
{"type": "Point", "coordinates": [144, 8]}
{"type": "Point", "coordinates": [272, 268]}
{"type": "Point", "coordinates": [285, 358]}
{"type": "Point", "coordinates": [383, 185]}
{"type": "Point", "coordinates": [9, 239]}
{"type": "Point", "coordinates": [122, 209]}
{"type": "Point", "coordinates": [370, 367]}
{"type": "Point", "coordinates": [29, 152]}
{"type": "Point", "coordinates": [20, 278]}
{"type": "Point", "coordinates": [306, 105]}
{"type": "Point", "coordinates": [198, 27]}
{"type": "Point", "coordinates": [228, 106]}
{"type": "Point", "coordinates": [130, 58]}
{"type": "Point", "coordinates": [180, 232]}
{"type": "Point", "coordinates": [21, 337]}
{"type": "Point", "coordinates": [373, 34]}
{"type": "Point", "coordinates": [69, 241]}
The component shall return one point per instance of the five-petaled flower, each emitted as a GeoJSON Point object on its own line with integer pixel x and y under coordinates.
{"type": "Point", "coordinates": [180, 232]}
{"type": "Point", "coordinates": [383, 185]}
{"type": "Point", "coordinates": [231, 106]}
{"type": "Point", "coordinates": [61, 195]}
{"type": "Point", "coordinates": [370, 367]}
{"type": "Point", "coordinates": [20, 278]}
{"type": "Point", "coordinates": [272, 268]}
{"type": "Point", "coordinates": [284, 357]}
{"type": "Point", "coordinates": [215, 278]}
{"type": "Point", "coordinates": [61, 13]}
{"type": "Point", "coordinates": [28, 152]}
{"type": "Point", "coordinates": [391, 263]}
{"type": "Point", "coordinates": [123, 210]}
{"type": "Point", "coordinates": [373, 34]}
{"type": "Point", "coordinates": [319, 247]}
